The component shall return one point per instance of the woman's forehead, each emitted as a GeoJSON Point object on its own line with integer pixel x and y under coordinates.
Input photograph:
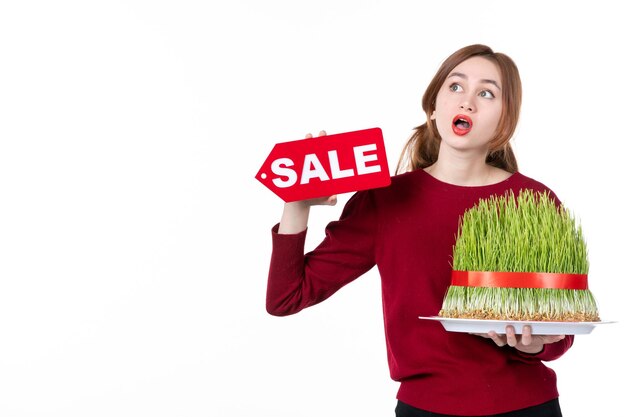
{"type": "Point", "coordinates": [477, 68]}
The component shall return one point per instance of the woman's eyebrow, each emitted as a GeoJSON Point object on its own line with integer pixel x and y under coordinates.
{"type": "Point", "coordinates": [461, 75]}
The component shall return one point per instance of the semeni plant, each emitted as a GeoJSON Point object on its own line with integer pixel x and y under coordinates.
{"type": "Point", "coordinates": [528, 234]}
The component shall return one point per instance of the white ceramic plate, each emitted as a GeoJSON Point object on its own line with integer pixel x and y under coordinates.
{"type": "Point", "coordinates": [499, 326]}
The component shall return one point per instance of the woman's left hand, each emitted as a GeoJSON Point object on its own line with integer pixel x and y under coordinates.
{"type": "Point", "coordinates": [526, 342]}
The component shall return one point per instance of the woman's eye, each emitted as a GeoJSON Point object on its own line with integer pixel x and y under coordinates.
{"type": "Point", "coordinates": [456, 88]}
{"type": "Point", "coordinates": [486, 94]}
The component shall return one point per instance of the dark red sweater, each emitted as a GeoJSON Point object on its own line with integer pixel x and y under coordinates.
{"type": "Point", "coordinates": [408, 230]}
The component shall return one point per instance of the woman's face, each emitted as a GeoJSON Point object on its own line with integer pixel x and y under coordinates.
{"type": "Point", "coordinates": [469, 105]}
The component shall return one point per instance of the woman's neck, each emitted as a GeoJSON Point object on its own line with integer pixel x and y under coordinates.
{"type": "Point", "coordinates": [465, 171]}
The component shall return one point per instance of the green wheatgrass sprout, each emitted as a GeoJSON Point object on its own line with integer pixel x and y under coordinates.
{"type": "Point", "coordinates": [524, 234]}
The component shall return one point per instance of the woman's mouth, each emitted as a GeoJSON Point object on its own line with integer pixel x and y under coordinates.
{"type": "Point", "coordinates": [461, 124]}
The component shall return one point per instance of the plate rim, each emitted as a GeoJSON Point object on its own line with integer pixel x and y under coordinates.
{"type": "Point", "coordinates": [572, 323]}
{"type": "Point", "coordinates": [549, 327]}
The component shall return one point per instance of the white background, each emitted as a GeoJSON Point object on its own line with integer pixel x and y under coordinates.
{"type": "Point", "coordinates": [135, 241]}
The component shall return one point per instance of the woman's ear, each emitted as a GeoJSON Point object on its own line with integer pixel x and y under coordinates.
{"type": "Point", "coordinates": [433, 116]}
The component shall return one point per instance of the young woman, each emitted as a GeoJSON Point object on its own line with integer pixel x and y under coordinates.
{"type": "Point", "coordinates": [461, 154]}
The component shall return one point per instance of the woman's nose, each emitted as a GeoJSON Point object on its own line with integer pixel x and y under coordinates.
{"type": "Point", "coordinates": [467, 105]}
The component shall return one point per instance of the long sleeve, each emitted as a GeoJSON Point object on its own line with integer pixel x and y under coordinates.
{"type": "Point", "coordinates": [297, 281]}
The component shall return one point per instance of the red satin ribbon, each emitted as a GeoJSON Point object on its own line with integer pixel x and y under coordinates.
{"type": "Point", "coordinates": [519, 280]}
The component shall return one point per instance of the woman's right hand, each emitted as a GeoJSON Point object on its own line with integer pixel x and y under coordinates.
{"type": "Point", "coordinates": [320, 201]}
{"type": "Point", "coordinates": [296, 214]}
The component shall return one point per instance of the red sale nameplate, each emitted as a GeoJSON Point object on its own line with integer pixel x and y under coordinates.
{"type": "Point", "coordinates": [327, 165]}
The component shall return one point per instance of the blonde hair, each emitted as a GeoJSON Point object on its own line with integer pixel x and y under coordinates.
{"type": "Point", "coordinates": [422, 148]}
